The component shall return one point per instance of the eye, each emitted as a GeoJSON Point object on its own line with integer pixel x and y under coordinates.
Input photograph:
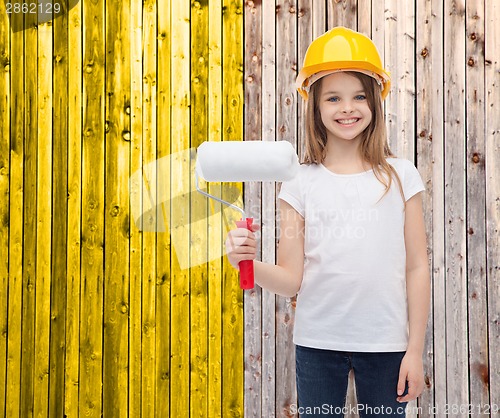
{"type": "Point", "coordinates": [360, 97]}
{"type": "Point", "coordinates": [333, 99]}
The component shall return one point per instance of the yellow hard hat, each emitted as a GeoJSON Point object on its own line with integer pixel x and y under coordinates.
{"type": "Point", "coordinates": [341, 49]}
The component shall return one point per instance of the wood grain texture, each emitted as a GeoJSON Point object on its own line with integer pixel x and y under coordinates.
{"type": "Point", "coordinates": [163, 239]}
{"type": "Point", "coordinates": [232, 129]}
{"type": "Point", "coordinates": [455, 216]}
{"type": "Point", "coordinates": [252, 299]}
{"type": "Point", "coordinates": [492, 170]}
{"type": "Point", "coordinates": [269, 114]}
{"type": "Point", "coordinates": [199, 313]}
{"type": "Point", "coordinates": [30, 121]}
{"type": "Point", "coordinates": [59, 249]}
{"type": "Point", "coordinates": [149, 191]}
{"type": "Point", "coordinates": [93, 206]}
{"type": "Point", "coordinates": [73, 219]}
{"type": "Point", "coordinates": [5, 197]}
{"type": "Point", "coordinates": [116, 256]}
{"type": "Point", "coordinates": [43, 220]}
{"type": "Point", "coordinates": [215, 222]}
{"type": "Point", "coordinates": [427, 118]}
{"type": "Point", "coordinates": [99, 312]}
{"type": "Point", "coordinates": [286, 129]}
{"type": "Point", "coordinates": [180, 185]}
{"type": "Point", "coordinates": [476, 214]}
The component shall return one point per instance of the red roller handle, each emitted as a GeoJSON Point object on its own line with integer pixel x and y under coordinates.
{"type": "Point", "coordinates": [246, 266]}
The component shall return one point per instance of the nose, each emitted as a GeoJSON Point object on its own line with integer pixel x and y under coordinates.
{"type": "Point", "coordinates": [348, 106]}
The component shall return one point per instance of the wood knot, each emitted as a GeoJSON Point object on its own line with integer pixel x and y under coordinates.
{"type": "Point", "coordinates": [424, 52]}
{"type": "Point", "coordinates": [475, 158]}
{"type": "Point", "coordinates": [471, 62]}
{"type": "Point", "coordinates": [473, 36]}
{"type": "Point", "coordinates": [423, 134]}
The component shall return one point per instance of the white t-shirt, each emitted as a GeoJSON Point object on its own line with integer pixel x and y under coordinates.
{"type": "Point", "coordinates": [353, 292]}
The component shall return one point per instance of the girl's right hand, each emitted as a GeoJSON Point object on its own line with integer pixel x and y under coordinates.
{"type": "Point", "coordinates": [241, 244]}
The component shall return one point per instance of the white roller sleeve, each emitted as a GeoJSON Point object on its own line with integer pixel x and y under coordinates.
{"type": "Point", "coordinates": [234, 161]}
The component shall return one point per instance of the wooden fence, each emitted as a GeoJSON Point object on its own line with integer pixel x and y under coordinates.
{"type": "Point", "coordinates": [115, 299]}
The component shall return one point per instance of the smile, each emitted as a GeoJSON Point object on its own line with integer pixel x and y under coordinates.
{"type": "Point", "coordinates": [347, 121]}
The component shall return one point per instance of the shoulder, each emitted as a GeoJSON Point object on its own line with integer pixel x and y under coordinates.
{"type": "Point", "coordinates": [306, 171]}
{"type": "Point", "coordinates": [400, 163]}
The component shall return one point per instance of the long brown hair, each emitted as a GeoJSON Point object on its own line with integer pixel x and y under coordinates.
{"type": "Point", "coordinates": [374, 148]}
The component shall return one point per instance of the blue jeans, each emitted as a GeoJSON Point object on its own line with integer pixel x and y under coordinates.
{"type": "Point", "coordinates": [322, 377]}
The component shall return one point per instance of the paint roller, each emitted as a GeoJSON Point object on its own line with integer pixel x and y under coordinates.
{"type": "Point", "coordinates": [239, 161]}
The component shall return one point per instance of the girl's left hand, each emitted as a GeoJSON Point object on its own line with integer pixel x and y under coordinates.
{"type": "Point", "coordinates": [411, 371]}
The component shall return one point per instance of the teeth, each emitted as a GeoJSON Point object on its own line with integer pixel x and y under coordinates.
{"type": "Point", "coordinates": [347, 121]}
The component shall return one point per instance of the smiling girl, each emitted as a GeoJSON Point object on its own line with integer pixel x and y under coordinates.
{"type": "Point", "coordinates": [362, 282]}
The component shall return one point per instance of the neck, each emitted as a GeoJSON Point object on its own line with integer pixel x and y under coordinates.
{"type": "Point", "coordinates": [340, 153]}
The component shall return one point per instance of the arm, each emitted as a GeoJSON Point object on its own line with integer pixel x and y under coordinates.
{"type": "Point", "coordinates": [285, 277]}
{"type": "Point", "coordinates": [418, 293]}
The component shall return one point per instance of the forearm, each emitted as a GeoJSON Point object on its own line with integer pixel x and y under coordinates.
{"type": "Point", "coordinates": [418, 290]}
{"type": "Point", "coordinates": [276, 279]}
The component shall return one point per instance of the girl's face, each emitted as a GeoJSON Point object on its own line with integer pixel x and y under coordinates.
{"type": "Point", "coordinates": [343, 106]}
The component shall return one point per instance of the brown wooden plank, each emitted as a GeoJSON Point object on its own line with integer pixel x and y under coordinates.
{"type": "Point", "coordinates": [425, 100]}
{"type": "Point", "coordinates": [342, 13]}
{"type": "Point", "coordinates": [268, 299]}
{"type": "Point", "coordinates": [476, 207]}
{"type": "Point", "coordinates": [492, 151]}
{"type": "Point", "coordinates": [286, 129]}
{"type": "Point", "coordinates": [252, 130]}
{"type": "Point", "coordinates": [455, 253]}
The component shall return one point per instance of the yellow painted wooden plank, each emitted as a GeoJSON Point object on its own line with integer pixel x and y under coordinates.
{"type": "Point", "coordinates": [232, 298]}
{"type": "Point", "coordinates": [13, 391]}
{"type": "Point", "coordinates": [198, 205]}
{"type": "Point", "coordinates": [43, 220]}
{"type": "Point", "coordinates": [74, 141]}
{"type": "Point", "coordinates": [149, 130]}
{"type": "Point", "coordinates": [163, 243]}
{"type": "Point", "coordinates": [135, 257]}
{"type": "Point", "coordinates": [116, 287]}
{"type": "Point", "coordinates": [215, 219]}
{"type": "Point", "coordinates": [180, 217]}
{"type": "Point", "coordinates": [4, 196]}
{"type": "Point", "coordinates": [92, 274]}
{"type": "Point", "coordinates": [30, 194]}
{"type": "Point", "coordinates": [59, 231]}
